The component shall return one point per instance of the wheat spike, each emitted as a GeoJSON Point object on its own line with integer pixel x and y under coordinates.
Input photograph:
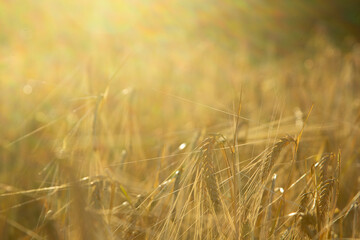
{"type": "Point", "coordinates": [325, 191]}
{"type": "Point", "coordinates": [207, 165]}
{"type": "Point", "coordinates": [324, 165]}
{"type": "Point", "coordinates": [305, 199]}
{"type": "Point", "coordinates": [273, 154]}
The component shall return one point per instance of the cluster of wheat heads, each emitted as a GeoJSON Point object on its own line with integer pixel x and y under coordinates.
{"type": "Point", "coordinates": [220, 189]}
{"type": "Point", "coordinates": [208, 197]}
{"type": "Point", "coordinates": [211, 194]}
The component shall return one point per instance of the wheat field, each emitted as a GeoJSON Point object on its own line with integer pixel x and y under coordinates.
{"type": "Point", "coordinates": [175, 120]}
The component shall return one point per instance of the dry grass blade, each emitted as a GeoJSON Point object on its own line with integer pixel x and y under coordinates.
{"type": "Point", "coordinates": [18, 226]}
{"type": "Point", "coordinates": [178, 174]}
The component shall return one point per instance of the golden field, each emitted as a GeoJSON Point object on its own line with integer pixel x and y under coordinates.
{"type": "Point", "coordinates": [176, 120]}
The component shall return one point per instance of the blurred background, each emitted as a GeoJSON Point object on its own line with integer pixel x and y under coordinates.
{"type": "Point", "coordinates": [189, 44]}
